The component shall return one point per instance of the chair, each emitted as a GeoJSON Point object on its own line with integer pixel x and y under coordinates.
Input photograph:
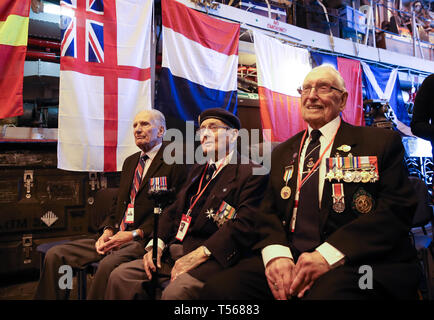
{"type": "Point", "coordinates": [104, 199]}
{"type": "Point", "coordinates": [423, 243]}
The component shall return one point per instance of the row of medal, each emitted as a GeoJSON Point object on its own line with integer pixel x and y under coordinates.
{"type": "Point", "coordinates": [348, 169]}
{"type": "Point", "coordinates": [352, 169]}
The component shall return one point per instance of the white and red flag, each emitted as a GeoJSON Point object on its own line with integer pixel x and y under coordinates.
{"type": "Point", "coordinates": [104, 81]}
{"type": "Point", "coordinates": [281, 70]}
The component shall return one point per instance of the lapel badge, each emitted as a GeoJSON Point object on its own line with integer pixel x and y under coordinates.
{"type": "Point", "coordinates": [344, 148]}
{"type": "Point", "coordinates": [210, 213]}
{"type": "Point", "coordinates": [363, 202]}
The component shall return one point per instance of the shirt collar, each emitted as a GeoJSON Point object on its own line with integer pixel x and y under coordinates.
{"type": "Point", "coordinates": [223, 161]}
{"type": "Point", "coordinates": [329, 129]}
{"type": "Point", "coordinates": [153, 152]}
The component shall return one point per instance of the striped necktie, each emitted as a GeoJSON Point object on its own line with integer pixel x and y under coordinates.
{"type": "Point", "coordinates": [137, 179]}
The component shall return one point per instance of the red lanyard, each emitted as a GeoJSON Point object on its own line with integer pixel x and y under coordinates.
{"type": "Point", "coordinates": [200, 192]}
{"type": "Point", "coordinates": [299, 181]}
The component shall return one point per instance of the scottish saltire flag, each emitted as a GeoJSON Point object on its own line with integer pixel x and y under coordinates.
{"type": "Point", "coordinates": [382, 83]}
{"type": "Point", "coordinates": [351, 71]}
{"type": "Point", "coordinates": [104, 81]}
{"type": "Point", "coordinates": [278, 80]}
{"type": "Point", "coordinates": [199, 65]}
{"type": "Point", "coordinates": [14, 26]}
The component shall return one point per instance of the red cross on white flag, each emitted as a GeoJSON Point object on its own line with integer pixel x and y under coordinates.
{"type": "Point", "coordinates": [104, 81]}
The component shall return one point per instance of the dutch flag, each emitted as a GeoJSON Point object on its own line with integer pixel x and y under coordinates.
{"type": "Point", "coordinates": [199, 65]}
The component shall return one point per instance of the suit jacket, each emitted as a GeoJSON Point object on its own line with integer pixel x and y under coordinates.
{"type": "Point", "coordinates": [422, 122]}
{"type": "Point", "coordinates": [235, 185]}
{"type": "Point", "coordinates": [378, 238]}
{"type": "Point", "coordinates": [143, 204]}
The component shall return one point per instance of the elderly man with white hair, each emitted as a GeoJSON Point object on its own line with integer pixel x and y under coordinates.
{"type": "Point", "coordinates": [122, 234]}
{"type": "Point", "coordinates": [336, 215]}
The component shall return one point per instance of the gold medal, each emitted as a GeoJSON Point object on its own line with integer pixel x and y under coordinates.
{"type": "Point", "coordinates": [330, 176]}
{"type": "Point", "coordinates": [285, 193]}
{"type": "Point", "coordinates": [339, 175]}
{"type": "Point", "coordinates": [366, 176]}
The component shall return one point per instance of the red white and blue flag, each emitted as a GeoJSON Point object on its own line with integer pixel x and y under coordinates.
{"type": "Point", "coordinates": [199, 65]}
{"type": "Point", "coordinates": [104, 81]}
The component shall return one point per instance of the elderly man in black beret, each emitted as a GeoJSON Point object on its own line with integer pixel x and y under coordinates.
{"type": "Point", "coordinates": [208, 228]}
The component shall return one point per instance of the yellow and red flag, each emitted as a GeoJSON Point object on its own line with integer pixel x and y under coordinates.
{"type": "Point", "coordinates": [14, 28]}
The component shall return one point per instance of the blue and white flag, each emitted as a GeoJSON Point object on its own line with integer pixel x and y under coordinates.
{"type": "Point", "coordinates": [382, 83]}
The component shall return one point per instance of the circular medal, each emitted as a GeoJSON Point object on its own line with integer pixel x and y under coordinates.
{"type": "Point", "coordinates": [285, 193]}
{"type": "Point", "coordinates": [357, 177]}
{"type": "Point", "coordinates": [348, 177]}
{"type": "Point", "coordinates": [339, 206]}
{"type": "Point", "coordinates": [363, 203]}
{"type": "Point", "coordinates": [366, 176]}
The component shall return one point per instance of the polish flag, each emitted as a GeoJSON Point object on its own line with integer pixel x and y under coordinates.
{"type": "Point", "coordinates": [281, 70]}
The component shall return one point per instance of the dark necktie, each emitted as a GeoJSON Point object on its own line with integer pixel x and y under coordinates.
{"type": "Point", "coordinates": [210, 171]}
{"type": "Point", "coordinates": [306, 235]}
{"type": "Point", "coordinates": [137, 180]}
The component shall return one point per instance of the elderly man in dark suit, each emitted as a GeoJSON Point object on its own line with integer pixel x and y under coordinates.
{"type": "Point", "coordinates": [131, 218]}
{"type": "Point", "coordinates": [209, 227]}
{"type": "Point", "coordinates": [336, 214]}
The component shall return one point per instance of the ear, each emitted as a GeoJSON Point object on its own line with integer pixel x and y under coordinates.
{"type": "Point", "coordinates": [234, 135]}
{"type": "Point", "coordinates": [344, 99]}
{"type": "Point", "coordinates": [161, 131]}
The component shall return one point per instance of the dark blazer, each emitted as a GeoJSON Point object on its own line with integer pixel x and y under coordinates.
{"type": "Point", "coordinates": [143, 204]}
{"type": "Point", "coordinates": [422, 122]}
{"type": "Point", "coordinates": [235, 185]}
{"type": "Point", "coordinates": [378, 238]}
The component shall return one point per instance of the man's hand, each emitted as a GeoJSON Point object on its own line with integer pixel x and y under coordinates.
{"type": "Point", "coordinates": [188, 262]}
{"type": "Point", "coordinates": [148, 263]}
{"type": "Point", "coordinates": [103, 239]}
{"type": "Point", "coordinates": [309, 267]}
{"type": "Point", "coordinates": [279, 273]}
{"type": "Point", "coordinates": [116, 241]}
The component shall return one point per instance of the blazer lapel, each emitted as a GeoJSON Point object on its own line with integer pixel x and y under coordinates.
{"type": "Point", "coordinates": [291, 158]}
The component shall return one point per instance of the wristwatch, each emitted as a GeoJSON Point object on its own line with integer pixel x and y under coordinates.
{"type": "Point", "coordinates": [136, 235]}
{"type": "Point", "coordinates": [206, 251]}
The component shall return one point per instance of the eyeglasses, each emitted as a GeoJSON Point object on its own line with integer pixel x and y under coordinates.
{"type": "Point", "coordinates": [212, 127]}
{"type": "Point", "coordinates": [322, 88]}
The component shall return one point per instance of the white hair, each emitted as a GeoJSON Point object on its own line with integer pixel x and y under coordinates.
{"type": "Point", "coordinates": [332, 69]}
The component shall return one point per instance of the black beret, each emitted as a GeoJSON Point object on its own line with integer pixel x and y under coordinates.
{"type": "Point", "coordinates": [221, 114]}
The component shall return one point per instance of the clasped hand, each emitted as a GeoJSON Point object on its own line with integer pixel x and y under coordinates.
{"type": "Point", "coordinates": [108, 241]}
{"type": "Point", "coordinates": [287, 279]}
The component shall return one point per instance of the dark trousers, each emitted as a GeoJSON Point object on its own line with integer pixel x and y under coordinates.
{"type": "Point", "coordinates": [247, 281]}
{"type": "Point", "coordinates": [78, 254]}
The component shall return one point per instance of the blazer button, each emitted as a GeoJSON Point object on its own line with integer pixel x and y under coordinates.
{"type": "Point", "coordinates": [284, 222]}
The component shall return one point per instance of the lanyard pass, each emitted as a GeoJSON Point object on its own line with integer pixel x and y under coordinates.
{"type": "Point", "coordinates": [183, 227]}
